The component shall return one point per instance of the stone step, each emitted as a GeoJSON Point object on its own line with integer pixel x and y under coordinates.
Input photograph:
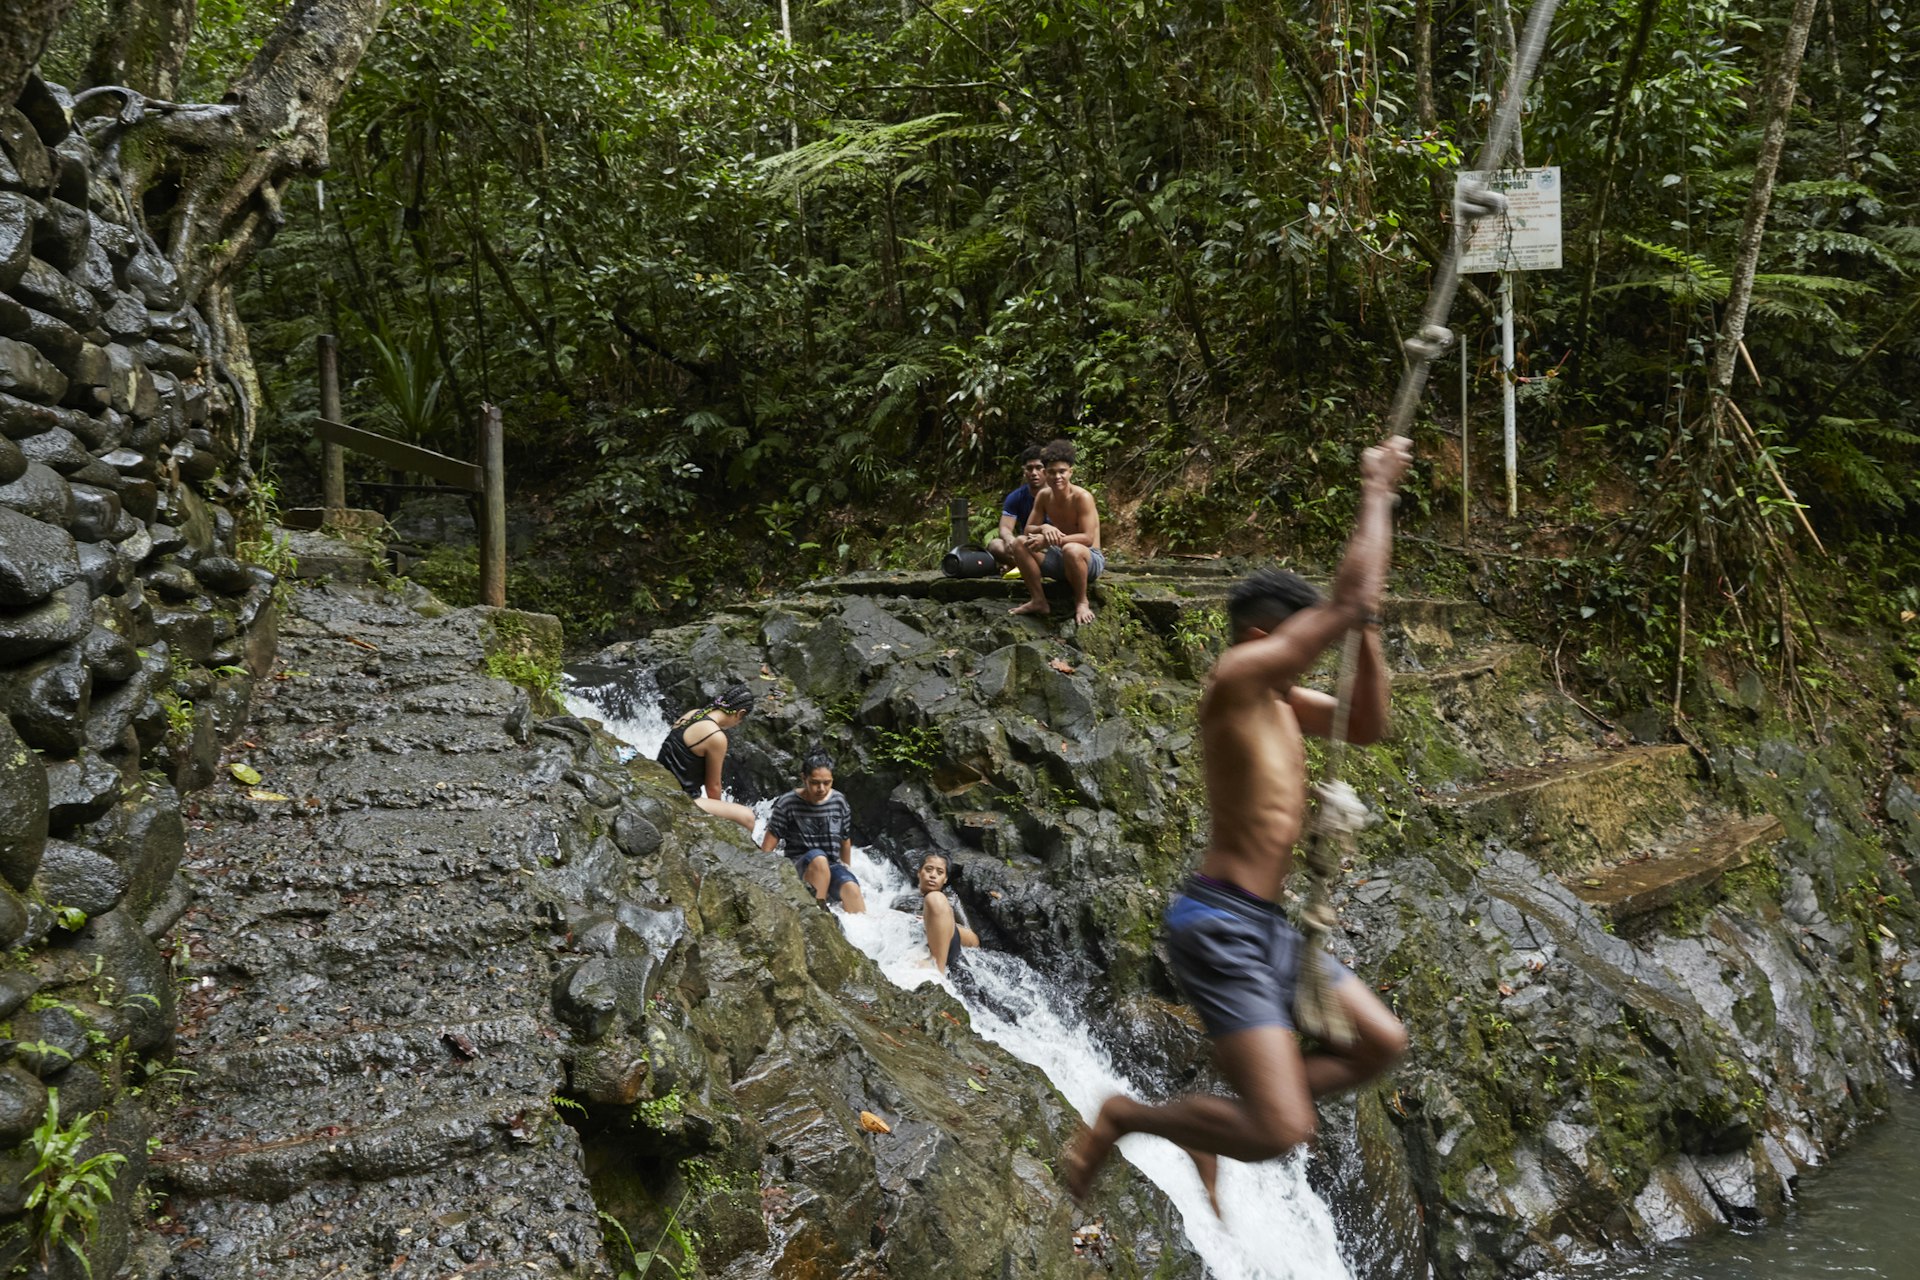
{"type": "Point", "coordinates": [1676, 867]}
{"type": "Point", "coordinates": [523, 1208]}
{"type": "Point", "coordinates": [260, 1165]}
{"type": "Point", "coordinates": [1569, 812]}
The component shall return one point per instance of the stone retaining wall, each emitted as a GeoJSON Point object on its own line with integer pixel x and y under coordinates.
{"type": "Point", "coordinates": [130, 634]}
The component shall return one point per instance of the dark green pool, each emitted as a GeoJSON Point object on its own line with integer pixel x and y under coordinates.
{"type": "Point", "coordinates": [1860, 1217]}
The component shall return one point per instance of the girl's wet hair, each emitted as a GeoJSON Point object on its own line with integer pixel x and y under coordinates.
{"type": "Point", "coordinates": [935, 853]}
{"type": "Point", "coordinates": [735, 697]}
{"type": "Point", "coordinates": [815, 759]}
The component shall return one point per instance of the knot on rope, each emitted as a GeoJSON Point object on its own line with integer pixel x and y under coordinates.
{"type": "Point", "coordinates": [1473, 199]}
{"type": "Point", "coordinates": [1430, 343]}
{"type": "Point", "coordinates": [1338, 816]}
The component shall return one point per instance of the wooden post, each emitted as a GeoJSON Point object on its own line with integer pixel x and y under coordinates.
{"type": "Point", "coordinates": [493, 509]}
{"type": "Point", "coordinates": [333, 459]}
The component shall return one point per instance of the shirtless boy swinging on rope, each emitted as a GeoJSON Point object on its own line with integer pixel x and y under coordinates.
{"type": "Point", "coordinates": [1232, 948]}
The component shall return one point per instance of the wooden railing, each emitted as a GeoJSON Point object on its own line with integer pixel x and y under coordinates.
{"type": "Point", "coordinates": [487, 478]}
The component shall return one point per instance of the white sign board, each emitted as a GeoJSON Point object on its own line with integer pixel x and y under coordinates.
{"type": "Point", "coordinates": [1527, 236]}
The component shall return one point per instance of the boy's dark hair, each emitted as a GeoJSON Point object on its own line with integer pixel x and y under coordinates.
{"type": "Point", "coordinates": [815, 759]}
{"type": "Point", "coordinates": [1266, 598]}
{"type": "Point", "coordinates": [1030, 454]}
{"type": "Point", "coordinates": [1060, 450]}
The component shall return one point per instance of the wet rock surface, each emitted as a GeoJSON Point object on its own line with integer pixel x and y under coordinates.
{"type": "Point", "coordinates": [424, 944]}
{"type": "Point", "coordinates": [102, 720]}
{"type": "Point", "coordinates": [1643, 994]}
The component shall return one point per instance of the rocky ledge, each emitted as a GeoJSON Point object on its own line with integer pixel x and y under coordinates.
{"type": "Point", "coordinates": [460, 983]}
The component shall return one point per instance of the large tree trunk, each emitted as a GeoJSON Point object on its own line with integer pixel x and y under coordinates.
{"type": "Point", "coordinates": [142, 45]}
{"type": "Point", "coordinates": [25, 28]}
{"type": "Point", "coordinates": [205, 180]}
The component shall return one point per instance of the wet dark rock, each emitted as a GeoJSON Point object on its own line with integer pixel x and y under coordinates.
{"type": "Point", "coordinates": [109, 655]}
{"type": "Point", "coordinates": [156, 280]}
{"type": "Point", "coordinates": [189, 630]}
{"type": "Point", "coordinates": [586, 996]}
{"type": "Point", "coordinates": [16, 987]}
{"type": "Point", "coordinates": [80, 790]}
{"type": "Point", "coordinates": [24, 165]}
{"type": "Point", "coordinates": [28, 632]}
{"type": "Point", "coordinates": [88, 374]}
{"type": "Point", "coordinates": [49, 1040]}
{"type": "Point", "coordinates": [13, 463]}
{"type": "Point", "coordinates": [636, 835]}
{"type": "Point", "coordinates": [95, 275]}
{"type": "Point", "coordinates": [173, 582]}
{"type": "Point", "coordinates": [16, 236]}
{"type": "Point", "coordinates": [143, 985]}
{"type": "Point", "coordinates": [26, 373]}
{"type": "Point", "coordinates": [225, 574]}
{"type": "Point", "coordinates": [47, 702]}
{"type": "Point", "coordinates": [48, 108]}
{"type": "Point", "coordinates": [23, 1103]}
{"type": "Point", "coordinates": [71, 876]}
{"type": "Point", "coordinates": [23, 808]}
{"type": "Point", "coordinates": [119, 244]}
{"type": "Point", "coordinates": [176, 360]}
{"type": "Point", "coordinates": [57, 448]}
{"type": "Point", "coordinates": [145, 836]}
{"type": "Point", "coordinates": [51, 336]}
{"type": "Point", "coordinates": [127, 319]}
{"type": "Point", "coordinates": [14, 920]}
{"type": "Point", "coordinates": [61, 234]}
{"type": "Point", "coordinates": [105, 569]}
{"type": "Point", "coordinates": [36, 559]}
{"type": "Point", "coordinates": [20, 419]}
{"type": "Point", "coordinates": [43, 287]}
{"type": "Point", "coordinates": [130, 387]}
{"type": "Point", "coordinates": [41, 493]}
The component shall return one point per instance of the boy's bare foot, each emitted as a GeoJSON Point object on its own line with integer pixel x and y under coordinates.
{"type": "Point", "coordinates": [1207, 1165]}
{"type": "Point", "coordinates": [1083, 613]}
{"type": "Point", "coordinates": [1088, 1151]}
{"type": "Point", "coordinates": [1032, 608]}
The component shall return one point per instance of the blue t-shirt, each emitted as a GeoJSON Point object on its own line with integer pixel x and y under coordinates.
{"type": "Point", "coordinates": [1019, 505]}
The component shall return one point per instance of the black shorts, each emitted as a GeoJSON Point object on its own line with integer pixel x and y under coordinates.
{"type": "Point", "coordinates": [1237, 958]}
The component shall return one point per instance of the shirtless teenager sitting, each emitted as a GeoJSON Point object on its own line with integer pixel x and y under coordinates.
{"type": "Point", "coordinates": [1232, 949]}
{"type": "Point", "coordinates": [1062, 539]}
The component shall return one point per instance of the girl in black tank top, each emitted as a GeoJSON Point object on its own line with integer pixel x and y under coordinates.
{"type": "Point", "coordinates": [688, 765]}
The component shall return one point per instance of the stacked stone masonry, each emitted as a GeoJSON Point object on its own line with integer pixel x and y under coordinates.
{"type": "Point", "coordinates": [130, 634]}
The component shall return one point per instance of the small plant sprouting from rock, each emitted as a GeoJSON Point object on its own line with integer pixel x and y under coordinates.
{"type": "Point", "coordinates": [65, 1192]}
{"type": "Point", "coordinates": [258, 543]}
{"type": "Point", "coordinates": [644, 1263]}
{"type": "Point", "coordinates": [915, 749]}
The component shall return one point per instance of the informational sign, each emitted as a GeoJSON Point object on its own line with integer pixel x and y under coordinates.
{"type": "Point", "coordinates": [1527, 236]}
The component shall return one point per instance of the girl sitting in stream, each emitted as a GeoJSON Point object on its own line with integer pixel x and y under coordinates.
{"type": "Point", "coordinates": [945, 918]}
{"type": "Point", "coordinates": [696, 748]}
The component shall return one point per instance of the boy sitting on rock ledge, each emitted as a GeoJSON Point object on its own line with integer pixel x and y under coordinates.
{"type": "Point", "coordinates": [1062, 540]}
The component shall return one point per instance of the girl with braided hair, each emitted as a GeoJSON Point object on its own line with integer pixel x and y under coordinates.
{"type": "Point", "coordinates": [696, 747]}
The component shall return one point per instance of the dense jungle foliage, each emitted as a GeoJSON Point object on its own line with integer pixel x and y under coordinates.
{"type": "Point", "coordinates": [756, 304]}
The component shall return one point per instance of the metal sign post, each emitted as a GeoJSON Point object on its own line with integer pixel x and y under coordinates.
{"type": "Point", "coordinates": [1526, 237]}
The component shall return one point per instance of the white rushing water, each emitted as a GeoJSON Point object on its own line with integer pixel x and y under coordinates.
{"type": "Point", "coordinates": [1272, 1226]}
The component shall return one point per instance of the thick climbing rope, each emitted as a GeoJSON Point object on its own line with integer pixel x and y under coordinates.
{"type": "Point", "coordinates": [1338, 815]}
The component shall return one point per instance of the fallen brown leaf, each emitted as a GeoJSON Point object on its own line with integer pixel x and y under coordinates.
{"type": "Point", "coordinates": [873, 1123]}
